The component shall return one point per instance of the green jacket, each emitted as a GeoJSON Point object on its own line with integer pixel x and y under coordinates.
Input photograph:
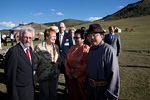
{"type": "Point", "coordinates": [43, 61]}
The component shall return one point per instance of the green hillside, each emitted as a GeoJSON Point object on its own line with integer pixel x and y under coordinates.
{"type": "Point", "coordinates": [38, 27]}
{"type": "Point", "coordinates": [68, 22]}
{"type": "Point", "coordinates": [140, 8]}
{"type": "Point", "coordinates": [134, 60]}
{"type": "Point", "coordinates": [131, 41]}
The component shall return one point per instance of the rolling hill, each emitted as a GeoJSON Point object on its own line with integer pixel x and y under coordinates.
{"type": "Point", "coordinates": [37, 26]}
{"type": "Point", "coordinates": [140, 8]}
{"type": "Point", "coordinates": [68, 22]}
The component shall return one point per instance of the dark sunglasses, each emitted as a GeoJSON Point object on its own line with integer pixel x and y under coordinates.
{"type": "Point", "coordinates": [76, 37]}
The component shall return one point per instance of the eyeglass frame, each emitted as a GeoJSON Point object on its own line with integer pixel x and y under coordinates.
{"type": "Point", "coordinates": [76, 37]}
{"type": "Point", "coordinates": [94, 35]}
{"type": "Point", "coordinates": [30, 38]}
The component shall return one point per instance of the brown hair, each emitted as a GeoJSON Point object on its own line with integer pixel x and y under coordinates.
{"type": "Point", "coordinates": [48, 32]}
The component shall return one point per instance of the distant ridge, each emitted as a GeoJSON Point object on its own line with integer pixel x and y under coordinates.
{"type": "Point", "coordinates": [37, 26]}
{"type": "Point", "coordinates": [140, 8]}
{"type": "Point", "coordinates": [68, 22]}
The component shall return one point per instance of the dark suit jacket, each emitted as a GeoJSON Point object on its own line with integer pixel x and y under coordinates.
{"type": "Point", "coordinates": [19, 74]}
{"type": "Point", "coordinates": [115, 43]}
{"type": "Point", "coordinates": [66, 44]}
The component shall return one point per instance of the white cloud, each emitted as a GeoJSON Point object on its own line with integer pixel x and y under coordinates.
{"type": "Point", "coordinates": [52, 9]}
{"type": "Point", "coordinates": [7, 24]}
{"type": "Point", "coordinates": [120, 6]}
{"type": "Point", "coordinates": [93, 18]}
{"type": "Point", "coordinates": [25, 23]}
{"type": "Point", "coordinates": [59, 13]}
{"type": "Point", "coordinates": [38, 14]}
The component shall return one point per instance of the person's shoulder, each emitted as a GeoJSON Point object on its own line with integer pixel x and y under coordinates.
{"type": "Point", "coordinates": [108, 47]}
{"type": "Point", "coordinates": [73, 46]}
{"type": "Point", "coordinates": [57, 34]}
{"type": "Point", "coordinates": [117, 35]}
{"type": "Point", "coordinates": [41, 44]}
{"type": "Point", "coordinates": [67, 34]}
{"type": "Point", "coordinates": [107, 34]}
{"type": "Point", "coordinates": [13, 49]}
{"type": "Point", "coordinates": [56, 46]}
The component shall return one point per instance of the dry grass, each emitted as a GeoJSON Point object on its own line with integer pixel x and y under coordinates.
{"type": "Point", "coordinates": [134, 61]}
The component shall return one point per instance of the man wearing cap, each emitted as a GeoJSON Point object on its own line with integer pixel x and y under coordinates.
{"type": "Point", "coordinates": [102, 67]}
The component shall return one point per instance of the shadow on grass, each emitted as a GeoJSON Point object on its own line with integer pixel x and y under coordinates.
{"type": "Point", "coordinates": [136, 66]}
{"type": "Point", "coordinates": [61, 95]}
{"type": "Point", "coordinates": [2, 78]}
{"type": "Point", "coordinates": [3, 96]}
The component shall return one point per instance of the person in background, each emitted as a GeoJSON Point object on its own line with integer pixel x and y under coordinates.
{"type": "Point", "coordinates": [71, 31]}
{"type": "Point", "coordinates": [102, 69]}
{"type": "Point", "coordinates": [0, 40]}
{"type": "Point", "coordinates": [86, 39]}
{"type": "Point", "coordinates": [4, 38]}
{"type": "Point", "coordinates": [47, 65]}
{"type": "Point", "coordinates": [19, 65]}
{"type": "Point", "coordinates": [75, 65]}
{"type": "Point", "coordinates": [113, 39]}
{"type": "Point", "coordinates": [17, 37]}
{"type": "Point", "coordinates": [83, 28]}
{"type": "Point", "coordinates": [12, 38]}
{"type": "Point", "coordinates": [64, 41]}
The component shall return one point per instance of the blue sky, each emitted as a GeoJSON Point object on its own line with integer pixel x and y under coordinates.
{"type": "Point", "coordinates": [13, 12]}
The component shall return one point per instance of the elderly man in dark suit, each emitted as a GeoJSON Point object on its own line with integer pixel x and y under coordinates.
{"type": "Point", "coordinates": [19, 67]}
{"type": "Point", "coordinates": [113, 39]}
{"type": "Point", "coordinates": [64, 41]}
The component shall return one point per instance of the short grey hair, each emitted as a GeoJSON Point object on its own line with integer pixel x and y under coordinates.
{"type": "Point", "coordinates": [25, 29]}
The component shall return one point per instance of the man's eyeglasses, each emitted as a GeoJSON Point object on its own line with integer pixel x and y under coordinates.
{"type": "Point", "coordinates": [30, 38]}
{"type": "Point", "coordinates": [92, 35]}
{"type": "Point", "coordinates": [76, 37]}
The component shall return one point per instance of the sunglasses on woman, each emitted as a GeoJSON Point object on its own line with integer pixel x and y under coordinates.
{"type": "Point", "coordinates": [76, 37]}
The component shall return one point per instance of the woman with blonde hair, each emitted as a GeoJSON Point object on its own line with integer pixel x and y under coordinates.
{"type": "Point", "coordinates": [71, 31]}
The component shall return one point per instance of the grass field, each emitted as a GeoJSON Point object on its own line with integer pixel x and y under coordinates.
{"type": "Point", "coordinates": [134, 60]}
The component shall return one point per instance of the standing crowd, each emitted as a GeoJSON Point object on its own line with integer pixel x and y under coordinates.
{"type": "Point", "coordinates": [87, 58]}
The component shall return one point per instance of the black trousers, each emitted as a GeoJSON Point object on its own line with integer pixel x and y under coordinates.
{"type": "Point", "coordinates": [48, 89]}
{"type": "Point", "coordinates": [4, 42]}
